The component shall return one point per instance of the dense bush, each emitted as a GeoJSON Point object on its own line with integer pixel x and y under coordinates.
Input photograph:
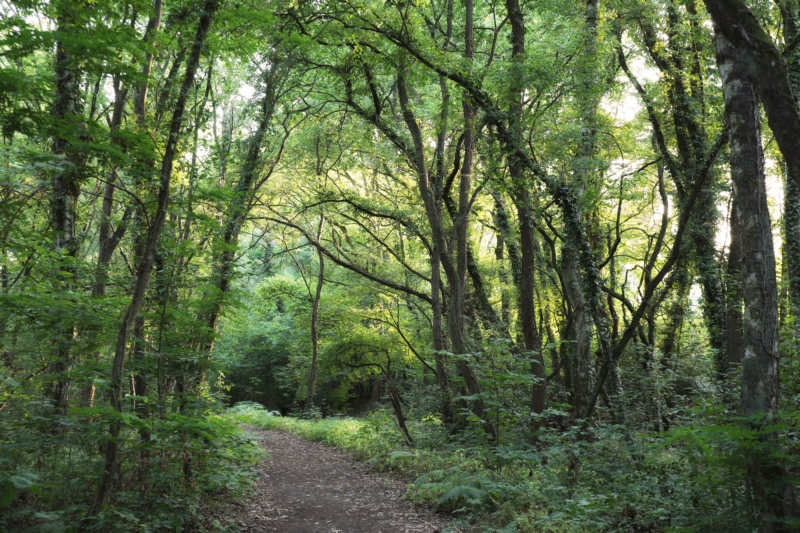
{"type": "Point", "coordinates": [176, 468]}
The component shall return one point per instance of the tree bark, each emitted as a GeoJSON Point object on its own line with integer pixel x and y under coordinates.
{"type": "Point", "coordinates": [734, 294]}
{"type": "Point", "coordinates": [767, 69]}
{"type": "Point", "coordinates": [68, 112]}
{"type": "Point", "coordinates": [145, 267]}
{"type": "Point", "coordinates": [314, 318]}
{"type": "Point", "coordinates": [577, 333]}
{"type": "Point", "coordinates": [437, 306]}
{"type": "Point", "coordinates": [458, 284]}
{"type": "Point", "coordinates": [790, 13]}
{"type": "Point", "coordinates": [228, 241]}
{"type": "Point", "coordinates": [525, 214]}
{"type": "Point", "coordinates": [579, 330]}
{"type": "Point", "coordinates": [760, 378]}
{"type": "Point", "coordinates": [759, 279]}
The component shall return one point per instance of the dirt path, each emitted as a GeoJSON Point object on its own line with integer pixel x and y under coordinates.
{"type": "Point", "coordinates": [306, 487]}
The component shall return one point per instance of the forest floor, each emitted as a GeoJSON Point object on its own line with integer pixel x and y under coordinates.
{"type": "Point", "coordinates": [307, 487]}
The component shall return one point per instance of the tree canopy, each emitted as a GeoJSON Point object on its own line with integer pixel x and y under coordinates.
{"type": "Point", "coordinates": [535, 231]}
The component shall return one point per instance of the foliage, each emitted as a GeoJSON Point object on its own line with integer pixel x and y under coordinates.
{"type": "Point", "coordinates": [493, 247]}
{"type": "Point", "coordinates": [47, 478]}
{"type": "Point", "coordinates": [689, 480]}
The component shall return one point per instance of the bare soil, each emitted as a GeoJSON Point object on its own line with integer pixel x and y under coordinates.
{"type": "Point", "coordinates": [307, 487]}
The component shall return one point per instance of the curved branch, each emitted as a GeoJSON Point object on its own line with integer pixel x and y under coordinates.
{"type": "Point", "coordinates": [349, 266]}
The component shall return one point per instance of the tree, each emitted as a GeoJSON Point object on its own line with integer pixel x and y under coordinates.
{"type": "Point", "coordinates": [760, 382]}
{"type": "Point", "coordinates": [496, 229]}
{"type": "Point", "coordinates": [145, 267]}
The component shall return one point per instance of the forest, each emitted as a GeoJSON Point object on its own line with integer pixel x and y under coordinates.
{"type": "Point", "coordinates": [539, 259]}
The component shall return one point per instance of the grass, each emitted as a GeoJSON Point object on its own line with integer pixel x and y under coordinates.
{"type": "Point", "coordinates": [606, 482]}
{"type": "Point", "coordinates": [373, 440]}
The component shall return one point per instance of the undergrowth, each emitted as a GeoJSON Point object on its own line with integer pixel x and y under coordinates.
{"type": "Point", "coordinates": [599, 478]}
{"type": "Point", "coordinates": [174, 471]}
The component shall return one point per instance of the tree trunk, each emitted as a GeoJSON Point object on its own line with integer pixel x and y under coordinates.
{"type": "Point", "coordinates": [438, 338]}
{"type": "Point", "coordinates": [579, 332]}
{"type": "Point", "coordinates": [457, 288]}
{"type": "Point", "coordinates": [109, 240]}
{"type": "Point", "coordinates": [527, 233]}
{"type": "Point", "coordinates": [734, 295]}
{"type": "Point", "coordinates": [790, 12]}
{"type": "Point", "coordinates": [759, 285]}
{"type": "Point", "coordinates": [760, 379]}
{"type": "Point", "coordinates": [791, 247]}
{"type": "Point", "coordinates": [314, 316]}
{"type": "Point", "coordinates": [767, 69]}
{"type": "Point", "coordinates": [439, 344]}
{"type": "Point", "coordinates": [68, 112]}
{"type": "Point", "coordinates": [145, 267]}
{"type": "Point", "coordinates": [458, 283]}
{"type": "Point", "coordinates": [228, 242]}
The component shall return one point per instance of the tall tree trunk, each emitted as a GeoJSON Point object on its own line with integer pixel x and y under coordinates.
{"type": "Point", "coordinates": [458, 283]}
{"type": "Point", "coordinates": [439, 344]}
{"type": "Point", "coordinates": [579, 331]}
{"type": "Point", "coordinates": [434, 215]}
{"type": "Point", "coordinates": [312, 377]}
{"type": "Point", "coordinates": [146, 167]}
{"type": "Point", "coordinates": [68, 112]}
{"type": "Point", "coordinates": [760, 378]}
{"type": "Point", "coordinates": [235, 216]}
{"type": "Point", "coordinates": [791, 247]}
{"type": "Point", "coordinates": [734, 294]}
{"type": "Point", "coordinates": [525, 214]}
{"type": "Point", "coordinates": [790, 13]}
{"type": "Point", "coordinates": [767, 69]}
{"type": "Point", "coordinates": [108, 238]}
{"type": "Point", "coordinates": [145, 267]}
{"type": "Point", "coordinates": [759, 285]}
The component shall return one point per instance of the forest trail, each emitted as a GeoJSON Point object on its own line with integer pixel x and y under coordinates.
{"type": "Point", "coordinates": [307, 487]}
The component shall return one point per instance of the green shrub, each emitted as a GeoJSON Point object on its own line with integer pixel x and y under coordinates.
{"type": "Point", "coordinates": [599, 478]}
{"type": "Point", "coordinates": [48, 479]}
